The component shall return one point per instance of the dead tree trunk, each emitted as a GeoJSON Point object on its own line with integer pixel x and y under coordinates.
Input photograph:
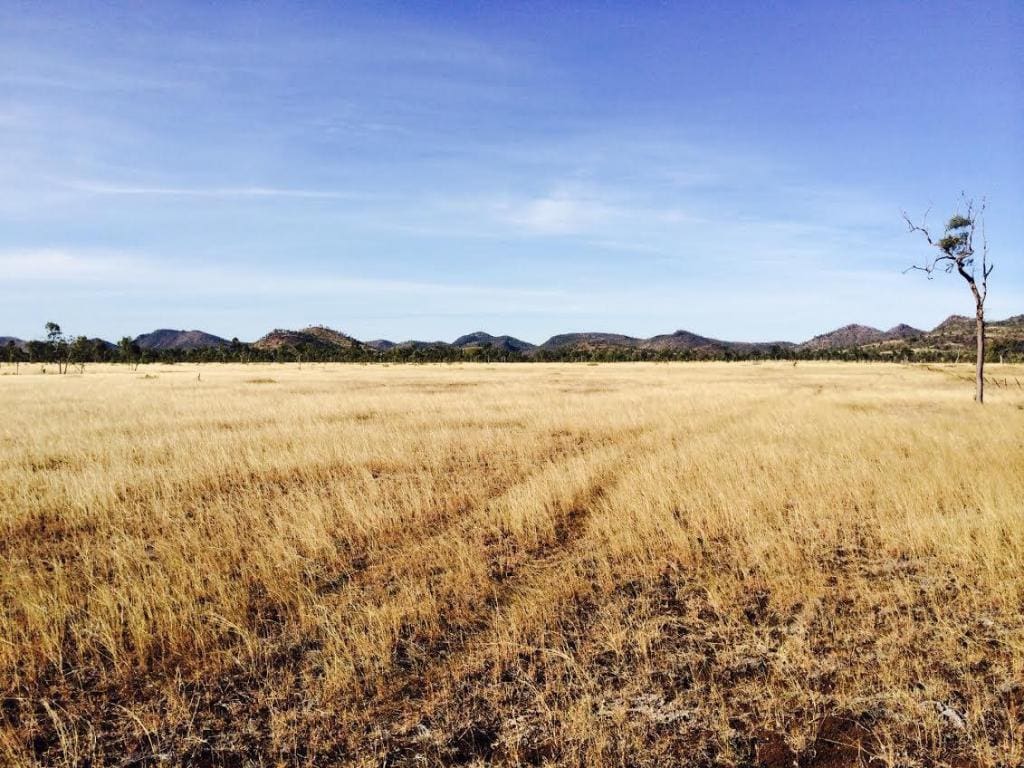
{"type": "Point", "coordinates": [979, 391]}
{"type": "Point", "coordinates": [979, 329]}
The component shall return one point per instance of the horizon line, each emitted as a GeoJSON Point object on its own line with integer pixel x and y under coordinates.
{"type": "Point", "coordinates": [541, 343]}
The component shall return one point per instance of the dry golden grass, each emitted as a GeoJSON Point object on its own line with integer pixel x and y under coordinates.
{"type": "Point", "coordinates": [634, 564]}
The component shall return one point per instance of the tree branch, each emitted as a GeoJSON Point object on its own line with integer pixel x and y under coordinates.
{"type": "Point", "coordinates": [923, 229]}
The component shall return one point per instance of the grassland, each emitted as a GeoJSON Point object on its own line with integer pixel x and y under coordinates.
{"type": "Point", "coordinates": [614, 565]}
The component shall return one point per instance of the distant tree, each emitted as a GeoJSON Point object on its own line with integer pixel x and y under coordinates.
{"type": "Point", "coordinates": [238, 351]}
{"type": "Point", "coordinates": [955, 250]}
{"type": "Point", "coordinates": [58, 344]}
{"type": "Point", "coordinates": [38, 351]}
{"type": "Point", "coordinates": [100, 351]}
{"type": "Point", "coordinates": [129, 352]}
{"type": "Point", "coordinates": [13, 355]}
{"type": "Point", "coordinates": [80, 352]}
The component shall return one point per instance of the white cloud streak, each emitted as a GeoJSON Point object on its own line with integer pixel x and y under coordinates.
{"type": "Point", "coordinates": [228, 192]}
{"type": "Point", "coordinates": [115, 270]}
{"type": "Point", "coordinates": [558, 215]}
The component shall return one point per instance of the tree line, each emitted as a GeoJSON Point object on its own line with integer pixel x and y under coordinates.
{"type": "Point", "coordinates": [68, 353]}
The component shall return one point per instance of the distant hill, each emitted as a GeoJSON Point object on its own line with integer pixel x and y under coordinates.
{"type": "Point", "coordinates": [589, 341]}
{"type": "Point", "coordinates": [502, 343]}
{"type": "Point", "coordinates": [23, 345]}
{"type": "Point", "coordinates": [685, 340]}
{"type": "Point", "coordinates": [681, 340]}
{"type": "Point", "coordinates": [858, 335]}
{"type": "Point", "coordinates": [381, 345]}
{"type": "Point", "coordinates": [958, 331]}
{"type": "Point", "coordinates": [165, 339]}
{"type": "Point", "coordinates": [954, 324]}
{"type": "Point", "coordinates": [315, 336]}
{"type": "Point", "coordinates": [852, 335]}
{"type": "Point", "coordinates": [903, 331]}
{"type": "Point", "coordinates": [416, 344]}
{"type": "Point", "coordinates": [951, 337]}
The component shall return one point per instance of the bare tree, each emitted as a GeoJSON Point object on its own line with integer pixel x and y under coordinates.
{"type": "Point", "coordinates": [955, 250]}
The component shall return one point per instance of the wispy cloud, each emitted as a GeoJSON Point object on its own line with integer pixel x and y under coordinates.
{"type": "Point", "coordinates": [85, 268]}
{"type": "Point", "coordinates": [90, 81]}
{"type": "Point", "coordinates": [108, 188]}
{"type": "Point", "coordinates": [558, 214]}
{"type": "Point", "coordinates": [55, 264]}
{"type": "Point", "coordinates": [587, 211]}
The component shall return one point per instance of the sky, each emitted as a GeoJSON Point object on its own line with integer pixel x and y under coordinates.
{"type": "Point", "coordinates": [423, 170]}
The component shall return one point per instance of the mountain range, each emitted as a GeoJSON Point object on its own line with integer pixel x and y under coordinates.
{"type": "Point", "coordinates": [953, 332]}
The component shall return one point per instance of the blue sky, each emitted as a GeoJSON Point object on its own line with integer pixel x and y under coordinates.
{"type": "Point", "coordinates": [423, 170]}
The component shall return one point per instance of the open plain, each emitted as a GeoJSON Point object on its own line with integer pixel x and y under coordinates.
{"type": "Point", "coordinates": [587, 565]}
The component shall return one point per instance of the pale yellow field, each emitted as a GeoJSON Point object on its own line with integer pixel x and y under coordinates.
{"type": "Point", "coordinates": [632, 564]}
